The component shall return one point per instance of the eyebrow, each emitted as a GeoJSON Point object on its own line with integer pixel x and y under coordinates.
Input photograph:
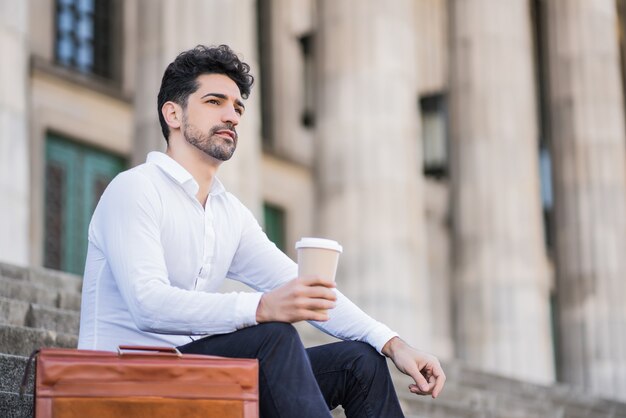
{"type": "Point", "coordinates": [223, 96]}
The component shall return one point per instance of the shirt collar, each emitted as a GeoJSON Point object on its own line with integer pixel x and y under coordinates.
{"type": "Point", "coordinates": [180, 175]}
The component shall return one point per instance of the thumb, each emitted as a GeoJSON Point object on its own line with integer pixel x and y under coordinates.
{"type": "Point", "coordinates": [420, 381]}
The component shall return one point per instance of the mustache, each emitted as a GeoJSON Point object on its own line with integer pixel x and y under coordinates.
{"type": "Point", "coordinates": [226, 126]}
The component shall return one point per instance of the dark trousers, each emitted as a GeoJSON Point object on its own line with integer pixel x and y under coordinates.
{"type": "Point", "coordinates": [295, 382]}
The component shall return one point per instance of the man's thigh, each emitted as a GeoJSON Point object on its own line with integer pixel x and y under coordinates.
{"type": "Point", "coordinates": [244, 343]}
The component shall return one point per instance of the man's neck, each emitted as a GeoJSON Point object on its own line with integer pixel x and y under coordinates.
{"type": "Point", "coordinates": [201, 166]}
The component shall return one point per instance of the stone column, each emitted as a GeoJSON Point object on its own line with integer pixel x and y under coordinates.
{"type": "Point", "coordinates": [587, 117]}
{"type": "Point", "coordinates": [501, 274]}
{"type": "Point", "coordinates": [14, 156]}
{"type": "Point", "coordinates": [167, 28]}
{"type": "Point", "coordinates": [368, 161]}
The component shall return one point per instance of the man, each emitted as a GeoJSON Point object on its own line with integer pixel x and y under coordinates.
{"type": "Point", "coordinates": [166, 234]}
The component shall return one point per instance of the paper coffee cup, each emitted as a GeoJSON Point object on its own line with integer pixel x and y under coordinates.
{"type": "Point", "coordinates": [318, 257]}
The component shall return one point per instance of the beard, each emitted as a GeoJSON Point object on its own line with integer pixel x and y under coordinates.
{"type": "Point", "coordinates": [210, 143]}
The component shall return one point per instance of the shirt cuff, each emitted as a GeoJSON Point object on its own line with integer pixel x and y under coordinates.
{"type": "Point", "coordinates": [380, 336]}
{"type": "Point", "coordinates": [245, 309]}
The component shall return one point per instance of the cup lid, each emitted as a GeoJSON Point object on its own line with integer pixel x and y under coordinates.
{"type": "Point", "coordinates": [328, 244]}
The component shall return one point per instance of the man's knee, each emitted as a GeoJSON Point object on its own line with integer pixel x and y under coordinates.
{"type": "Point", "coordinates": [280, 334]}
{"type": "Point", "coordinates": [278, 330]}
{"type": "Point", "coordinates": [367, 363]}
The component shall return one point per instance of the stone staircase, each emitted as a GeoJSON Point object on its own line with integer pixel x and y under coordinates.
{"type": "Point", "coordinates": [40, 308]}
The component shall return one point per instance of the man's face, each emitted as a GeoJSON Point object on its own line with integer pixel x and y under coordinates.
{"type": "Point", "coordinates": [211, 116]}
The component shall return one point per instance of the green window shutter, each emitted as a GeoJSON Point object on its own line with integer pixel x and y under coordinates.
{"type": "Point", "coordinates": [75, 177]}
{"type": "Point", "coordinates": [274, 218]}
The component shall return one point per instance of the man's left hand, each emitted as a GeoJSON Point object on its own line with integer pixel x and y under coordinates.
{"type": "Point", "coordinates": [423, 367]}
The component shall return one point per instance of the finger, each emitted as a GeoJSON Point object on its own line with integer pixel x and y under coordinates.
{"type": "Point", "coordinates": [319, 292]}
{"type": "Point", "coordinates": [304, 301]}
{"type": "Point", "coordinates": [432, 381]}
{"type": "Point", "coordinates": [441, 380]}
{"type": "Point", "coordinates": [317, 281]}
{"type": "Point", "coordinates": [421, 382]}
{"type": "Point", "coordinates": [414, 389]}
{"type": "Point", "coordinates": [324, 304]}
{"type": "Point", "coordinates": [318, 304]}
{"type": "Point", "coordinates": [318, 316]}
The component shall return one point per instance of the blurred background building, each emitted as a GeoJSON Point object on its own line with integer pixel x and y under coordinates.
{"type": "Point", "coordinates": [468, 154]}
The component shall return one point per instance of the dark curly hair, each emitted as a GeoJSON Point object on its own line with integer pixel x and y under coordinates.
{"type": "Point", "coordinates": [181, 76]}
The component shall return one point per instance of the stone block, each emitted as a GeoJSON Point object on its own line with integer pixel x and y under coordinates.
{"type": "Point", "coordinates": [14, 272]}
{"type": "Point", "coordinates": [69, 301]}
{"type": "Point", "coordinates": [28, 292]}
{"type": "Point", "coordinates": [59, 320]}
{"type": "Point", "coordinates": [11, 373]}
{"type": "Point", "coordinates": [12, 406]}
{"type": "Point", "coordinates": [22, 341]}
{"type": "Point", "coordinates": [56, 279]}
{"type": "Point", "coordinates": [13, 312]}
{"type": "Point", "coordinates": [43, 277]}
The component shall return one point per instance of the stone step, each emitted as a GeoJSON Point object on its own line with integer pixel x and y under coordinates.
{"type": "Point", "coordinates": [44, 277]}
{"type": "Point", "coordinates": [11, 374]}
{"type": "Point", "coordinates": [33, 293]}
{"type": "Point", "coordinates": [59, 292]}
{"type": "Point", "coordinates": [28, 292]}
{"type": "Point", "coordinates": [68, 300]}
{"type": "Point", "coordinates": [22, 341]}
{"type": "Point", "coordinates": [477, 403]}
{"type": "Point", "coordinates": [14, 312]}
{"type": "Point", "coordinates": [12, 371]}
{"type": "Point", "coordinates": [467, 385]}
{"type": "Point", "coordinates": [510, 402]}
{"type": "Point", "coordinates": [59, 320]}
{"type": "Point", "coordinates": [12, 406]}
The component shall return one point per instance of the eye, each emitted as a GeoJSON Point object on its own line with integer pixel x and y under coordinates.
{"type": "Point", "coordinates": [239, 111]}
{"type": "Point", "coordinates": [213, 101]}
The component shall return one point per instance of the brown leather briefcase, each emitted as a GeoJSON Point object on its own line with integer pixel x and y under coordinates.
{"type": "Point", "coordinates": [152, 382]}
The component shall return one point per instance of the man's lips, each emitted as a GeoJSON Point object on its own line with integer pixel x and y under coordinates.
{"type": "Point", "coordinates": [227, 133]}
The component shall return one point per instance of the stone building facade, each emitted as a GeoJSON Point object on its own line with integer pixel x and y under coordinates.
{"type": "Point", "coordinates": [469, 155]}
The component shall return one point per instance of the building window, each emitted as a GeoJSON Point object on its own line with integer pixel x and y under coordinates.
{"type": "Point", "coordinates": [434, 135]}
{"type": "Point", "coordinates": [543, 118]}
{"type": "Point", "coordinates": [547, 203]}
{"type": "Point", "coordinates": [75, 178]}
{"type": "Point", "coordinates": [308, 77]}
{"type": "Point", "coordinates": [86, 36]}
{"type": "Point", "coordinates": [275, 221]}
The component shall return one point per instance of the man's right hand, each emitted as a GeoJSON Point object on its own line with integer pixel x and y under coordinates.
{"type": "Point", "coordinates": [301, 299]}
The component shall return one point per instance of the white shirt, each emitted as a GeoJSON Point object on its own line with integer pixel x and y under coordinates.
{"type": "Point", "coordinates": [156, 259]}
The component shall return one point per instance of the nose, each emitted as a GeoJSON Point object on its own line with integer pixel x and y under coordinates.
{"type": "Point", "coordinates": [230, 115]}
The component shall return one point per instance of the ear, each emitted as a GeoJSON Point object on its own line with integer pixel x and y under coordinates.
{"type": "Point", "coordinates": [173, 114]}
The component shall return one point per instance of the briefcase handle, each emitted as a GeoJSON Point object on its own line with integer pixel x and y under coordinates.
{"type": "Point", "coordinates": [121, 350]}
